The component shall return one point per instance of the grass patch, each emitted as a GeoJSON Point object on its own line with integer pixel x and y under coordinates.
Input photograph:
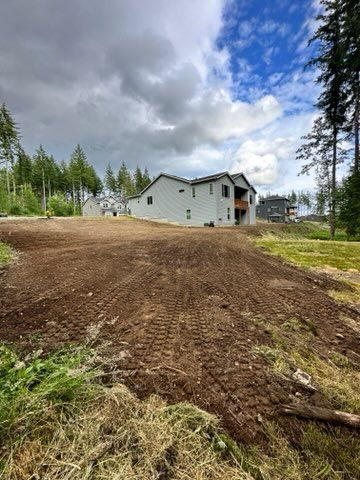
{"type": "Point", "coordinates": [335, 377]}
{"type": "Point", "coordinates": [347, 296]}
{"type": "Point", "coordinates": [58, 422]}
{"type": "Point", "coordinates": [308, 245]}
{"type": "Point", "coordinates": [314, 253]}
{"type": "Point", "coordinates": [5, 253]}
{"type": "Point", "coordinates": [309, 230]}
{"type": "Point", "coordinates": [321, 454]}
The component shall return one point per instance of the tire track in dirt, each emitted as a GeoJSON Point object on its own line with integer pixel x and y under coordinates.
{"type": "Point", "coordinates": [178, 311]}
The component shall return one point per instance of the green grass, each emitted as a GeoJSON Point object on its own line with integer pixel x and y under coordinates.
{"type": "Point", "coordinates": [314, 253]}
{"type": "Point", "coordinates": [307, 230]}
{"type": "Point", "coordinates": [5, 254]}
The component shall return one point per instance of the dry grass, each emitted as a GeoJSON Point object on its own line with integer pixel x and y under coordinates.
{"type": "Point", "coordinates": [333, 375]}
{"type": "Point", "coordinates": [58, 423]}
{"type": "Point", "coordinates": [352, 295]}
{"type": "Point", "coordinates": [120, 437]}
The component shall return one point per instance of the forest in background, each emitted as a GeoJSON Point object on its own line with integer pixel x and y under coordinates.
{"type": "Point", "coordinates": [33, 185]}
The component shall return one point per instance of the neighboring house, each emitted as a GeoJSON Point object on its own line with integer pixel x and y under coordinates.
{"type": "Point", "coordinates": [221, 199]}
{"type": "Point", "coordinates": [276, 209]}
{"type": "Point", "coordinates": [109, 206]}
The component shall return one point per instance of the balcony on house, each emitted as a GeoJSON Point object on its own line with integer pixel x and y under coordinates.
{"type": "Point", "coordinates": [242, 204]}
{"type": "Point", "coordinates": [241, 198]}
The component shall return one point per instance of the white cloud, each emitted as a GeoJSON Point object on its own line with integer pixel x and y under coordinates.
{"type": "Point", "coordinates": [269, 158]}
{"type": "Point", "coordinates": [147, 85]}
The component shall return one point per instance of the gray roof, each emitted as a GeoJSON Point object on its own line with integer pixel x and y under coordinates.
{"type": "Point", "coordinates": [241, 174]}
{"type": "Point", "coordinates": [194, 181]}
{"type": "Point", "coordinates": [208, 178]}
{"type": "Point", "coordinates": [104, 198]}
{"type": "Point", "coordinates": [274, 197]}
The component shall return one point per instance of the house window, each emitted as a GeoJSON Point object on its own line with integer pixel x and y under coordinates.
{"type": "Point", "coordinates": [188, 214]}
{"type": "Point", "coordinates": [193, 192]}
{"type": "Point", "coordinates": [228, 214]}
{"type": "Point", "coordinates": [251, 199]}
{"type": "Point", "coordinates": [211, 188]}
{"type": "Point", "coordinates": [181, 191]}
{"type": "Point", "coordinates": [149, 200]}
{"type": "Point", "coordinates": [105, 205]}
{"type": "Point", "coordinates": [262, 202]}
{"type": "Point", "coordinates": [225, 190]}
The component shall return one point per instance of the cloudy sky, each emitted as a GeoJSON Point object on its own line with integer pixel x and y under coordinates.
{"type": "Point", "coordinates": [185, 86]}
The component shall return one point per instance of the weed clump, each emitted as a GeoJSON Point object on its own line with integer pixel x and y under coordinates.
{"type": "Point", "coordinates": [5, 254]}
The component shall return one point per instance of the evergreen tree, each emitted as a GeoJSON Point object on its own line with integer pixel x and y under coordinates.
{"type": "Point", "coordinates": [9, 143]}
{"type": "Point", "coordinates": [23, 168]}
{"type": "Point", "coordinates": [138, 180]}
{"type": "Point", "coordinates": [95, 185]}
{"type": "Point", "coordinates": [146, 178]}
{"type": "Point", "coordinates": [64, 185]}
{"type": "Point", "coordinates": [40, 175]}
{"type": "Point", "coordinates": [78, 175]}
{"type": "Point", "coordinates": [350, 205]}
{"type": "Point", "coordinates": [333, 99]}
{"type": "Point", "coordinates": [292, 197]}
{"type": "Point", "coordinates": [110, 180]}
{"type": "Point", "coordinates": [351, 32]}
{"type": "Point", "coordinates": [121, 178]}
{"type": "Point", "coordinates": [125, 182]}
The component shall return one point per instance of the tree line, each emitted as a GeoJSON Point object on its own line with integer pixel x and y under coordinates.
{"type": "Point", "coordinates": [38, 183]}
{"type": "Point", "coordinates": [334, 138]}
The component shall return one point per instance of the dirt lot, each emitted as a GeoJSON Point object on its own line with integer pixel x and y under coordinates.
{"type": "Point", "coordinates": [176, 309]}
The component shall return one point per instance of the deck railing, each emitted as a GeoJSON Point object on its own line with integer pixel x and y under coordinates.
{"type": "Point", "coordinates": [243, 204]}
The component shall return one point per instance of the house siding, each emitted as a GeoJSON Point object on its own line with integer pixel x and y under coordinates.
{"type": "Point", "coordinates": [276, 205]}
{"type": "Point", "coordinates": [91, 208]}
{"type": "Point", "coordinates": [252, 206]}
{"type": "Point", "coordinates": [169, 204]}
{"type": "Point", "coordinates": [95, 207]}
{"type": "Point", "coordinates": [223, 203]}
{"type": "Point", "coordinates": [172, 197]}
{"type": "Point", "coordinates": [240, 182]}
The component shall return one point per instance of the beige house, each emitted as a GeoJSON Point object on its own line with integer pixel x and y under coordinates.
{"type": "Point", "coordinates": [109, 206]}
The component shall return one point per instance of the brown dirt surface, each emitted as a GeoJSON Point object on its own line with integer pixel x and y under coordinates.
{"type": "Point", "coordinates": [175, 309]}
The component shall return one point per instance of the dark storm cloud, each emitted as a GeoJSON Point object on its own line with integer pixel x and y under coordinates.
{"type": "Point", "coordinates": [127, 79]}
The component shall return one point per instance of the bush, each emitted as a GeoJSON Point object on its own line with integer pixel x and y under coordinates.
{"type": "Point", "coordinates": [59, 206]}
{"type": "Point", "coordinates": [15, 209]}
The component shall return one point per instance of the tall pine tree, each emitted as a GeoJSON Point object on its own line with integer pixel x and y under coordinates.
{"type": "Point", "coordinates": [110, 180]}
{"type": "Point", "coordinates": [330, 60]}
{"type": "Point", "coordinates": [351, 32]}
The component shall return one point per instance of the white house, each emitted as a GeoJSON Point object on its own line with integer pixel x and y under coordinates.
{"type": "Point", "coordinates": [220, 199]}
{"type": "Point", "coordinates": [109, 206]}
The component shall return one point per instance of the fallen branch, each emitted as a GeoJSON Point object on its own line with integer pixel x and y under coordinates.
{"type": "Point", "coordinates": [325, 414]}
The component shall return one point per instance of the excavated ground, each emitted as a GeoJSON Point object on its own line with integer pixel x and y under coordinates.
{"type": "Point", "coordinates": [176, 309]}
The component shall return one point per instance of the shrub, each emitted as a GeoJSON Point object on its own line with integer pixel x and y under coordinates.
{"type": "Point", "coordinates": [59, 205]}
